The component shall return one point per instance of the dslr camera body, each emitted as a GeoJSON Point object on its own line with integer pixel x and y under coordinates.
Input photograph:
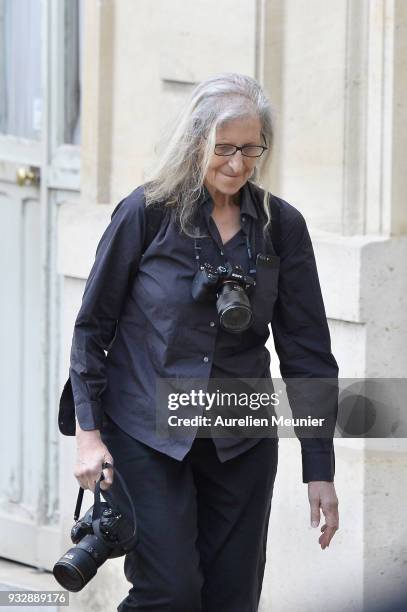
{"type": "Point", "coordinates": [102, 533]}
{"type": "Point", "coordinates": [228, 285]}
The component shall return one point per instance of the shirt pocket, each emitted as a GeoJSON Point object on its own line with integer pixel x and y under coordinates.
{"type": "Point", "coordinates": [264, 294]}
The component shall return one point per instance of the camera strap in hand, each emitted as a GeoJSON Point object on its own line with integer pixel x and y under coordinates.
{"type": "Point", "coordinates": [97, 506]}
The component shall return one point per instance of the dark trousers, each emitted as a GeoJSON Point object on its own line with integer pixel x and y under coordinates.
{"type": "Point", "coordinates": [202, 524]}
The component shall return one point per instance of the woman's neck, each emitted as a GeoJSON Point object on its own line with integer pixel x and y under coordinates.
{"type": "Point", "coordinates": [223, 201]}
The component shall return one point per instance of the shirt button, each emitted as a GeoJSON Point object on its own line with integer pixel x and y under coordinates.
{"type": "Point", "coordinates": [243, 218]}
{"type": "Point", "coordinates": [221, 252]}
{"type": "Point", "coordinates": [212, 324]}
{"type": "Point", "coordinates": [206, 359]}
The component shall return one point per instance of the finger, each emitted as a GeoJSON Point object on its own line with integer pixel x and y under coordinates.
{"type": "Point", "coordinates": [108, 479]}
{"type": "Point", "coordinates": [315, 513]}
{"type": "Point", "coordinates": [82, 484]}
{"type": "Point", "coordinates": [81, 480]}
{"type": "Point", "coordinates": [83, 476]}
{"type": "Point", "coordinates": [107, 472]}
{"type": "Point", "coordinates": [330, 509]}
{"type": "Point", "coordinates": [331, 521]}
{"type": "Point", "coordinates": [92, 478]}
{"type": "Point", "coordinates": [97, 475]}
{"type": "Point", "coordinates": [325, 542]}
{"type": "Point", "coordinates": [327, 536]}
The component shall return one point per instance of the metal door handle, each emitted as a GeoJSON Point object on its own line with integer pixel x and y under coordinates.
{"type": "Point", "coordinates": [28, 175]}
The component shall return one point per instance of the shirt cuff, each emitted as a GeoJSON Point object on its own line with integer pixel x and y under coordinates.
{"type": "Point", "coordinates": [318, 465]}
{"type": "Point", "coordinates": [89, 416]}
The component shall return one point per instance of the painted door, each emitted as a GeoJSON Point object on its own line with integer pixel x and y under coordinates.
{"type": "Point", "coordinates": [39, 166]}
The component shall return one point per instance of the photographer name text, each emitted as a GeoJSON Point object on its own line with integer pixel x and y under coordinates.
{"type": "Point", "coordinates": [246, 421]}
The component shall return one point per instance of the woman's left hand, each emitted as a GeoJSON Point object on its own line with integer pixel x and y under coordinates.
{"type": "Point", "coordinates": [322, 495]}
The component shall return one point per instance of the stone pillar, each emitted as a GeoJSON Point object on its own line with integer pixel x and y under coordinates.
{"type": "Point", "coordinates": [337, 73]}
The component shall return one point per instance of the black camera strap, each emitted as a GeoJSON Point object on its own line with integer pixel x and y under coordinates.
{"type": "Point", "coordinates": [78, 505]}
{"type": "Point", "coordinates": [252, 268]}
{"type": "Point", "coordinates": [269, 239]}
{"type": "Point", "coordinates": [97, 505]}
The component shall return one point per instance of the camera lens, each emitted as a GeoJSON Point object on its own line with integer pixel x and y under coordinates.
{"type": "Point", "coordinates": [77, 566]}
{"type": "Point", "coordinates": [236, 319]}
{"type": "Point", "coordinates": [74, 574]}
{"type": "Point", "coordinates": [234, 308]}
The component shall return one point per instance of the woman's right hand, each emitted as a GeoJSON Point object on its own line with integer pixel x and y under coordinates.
{"type": "Point", "coordinates": [91, 453]}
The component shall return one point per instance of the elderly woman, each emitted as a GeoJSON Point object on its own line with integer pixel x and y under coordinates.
{"type": "Point", "coordinates": [155, 302]}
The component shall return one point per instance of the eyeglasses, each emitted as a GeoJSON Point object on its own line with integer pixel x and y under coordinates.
{"type": "Point", "coordinates": [247, 150]}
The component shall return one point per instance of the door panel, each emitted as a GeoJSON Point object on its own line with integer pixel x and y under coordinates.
{"type": "Point", "coordinates": [10, 261]}
{"type": "Point", "coordinates": [22, 439]}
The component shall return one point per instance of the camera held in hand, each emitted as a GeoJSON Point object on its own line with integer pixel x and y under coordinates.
{"type": "Point", "coordinates": [102, 533]}
{"type": "Point", "coordinates": [227, 284]}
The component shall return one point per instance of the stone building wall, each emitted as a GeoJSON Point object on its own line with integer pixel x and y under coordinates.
{"type": "Point", "coordinates": [336, 73]}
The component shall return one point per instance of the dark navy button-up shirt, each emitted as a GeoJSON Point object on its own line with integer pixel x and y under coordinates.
{"type": "Point", "coordinates": [138, 321]}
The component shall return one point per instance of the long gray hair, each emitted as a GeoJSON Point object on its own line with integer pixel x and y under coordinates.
{"type": "Point", "coordinates": [177, 177]}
